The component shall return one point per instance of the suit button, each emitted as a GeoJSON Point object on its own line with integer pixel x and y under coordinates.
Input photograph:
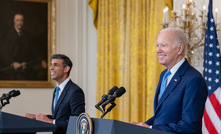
{"type": "Point", "coordinates": [155, 120]}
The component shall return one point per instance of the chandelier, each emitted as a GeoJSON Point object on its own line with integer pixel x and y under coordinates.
{"type": "Point", "coordinates": [193, 26]}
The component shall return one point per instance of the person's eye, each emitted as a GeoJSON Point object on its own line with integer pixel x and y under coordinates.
{"type": "Point", "coordinates": [164, 45]}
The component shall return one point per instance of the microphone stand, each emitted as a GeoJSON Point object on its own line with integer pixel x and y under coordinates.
{"type": "Point", "coordinates": [104, 98]}
{"type": "Point", "coordinates": [108, 109]}
{"type": "Point", "coordinates": [99, 108]}
{"type": "Point", "coordinates": [104, 105]}
{"type": "Point", "coordinates": [3, 103]}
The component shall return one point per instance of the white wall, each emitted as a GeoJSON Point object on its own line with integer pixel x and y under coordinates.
{"type": "Point", "coordinates": [77, 37]}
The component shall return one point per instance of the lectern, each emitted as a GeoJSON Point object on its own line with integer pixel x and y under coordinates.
{"type": "Point", "coordinates": [108, 126]}
{"type": "Point", "coordinates": [10, 123]}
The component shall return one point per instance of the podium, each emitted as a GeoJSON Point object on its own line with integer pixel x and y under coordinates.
{"type": "Point", "coordinates": [108, 126]}
{"type": "Point", "coordinates": [10, 123]}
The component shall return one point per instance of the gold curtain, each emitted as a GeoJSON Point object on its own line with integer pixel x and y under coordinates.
{"type": "Point", "coordinates": [126, 54]}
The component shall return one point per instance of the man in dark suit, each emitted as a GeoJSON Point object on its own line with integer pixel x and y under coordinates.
{"type": "Point", "coordinates": [181, 92]}
{"type": "Point", "coordinates": [21, 56]}
{"type": "Point", "coordinates": [68, 101]}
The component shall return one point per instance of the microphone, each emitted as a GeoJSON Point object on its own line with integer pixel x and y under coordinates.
{"type": "Point", "coordinates": [104, 97]}
{"type": "Point", "coordinates": [12, 93]}
{"type": "Point", "coordinates": [6, 97]}
{"type": "Point", "coordinates": [118, 93]}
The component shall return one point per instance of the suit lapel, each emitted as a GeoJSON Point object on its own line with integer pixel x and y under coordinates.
{"type": "Point", "coordinates": [171, 86]}
{"type": "Point", "coordinates": [174, 81]}
{"type": "Point", "coordinates": [158, 91]}
{"type": "Point", "coordinates": [52, 106]}
{"type": "Point", "coordinates": [62, 96]}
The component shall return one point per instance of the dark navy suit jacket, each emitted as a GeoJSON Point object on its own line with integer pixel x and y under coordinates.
{"type": "Point", "coordinates": [181, 107]}
{"type": "Point", "coordinates": [70, 103]}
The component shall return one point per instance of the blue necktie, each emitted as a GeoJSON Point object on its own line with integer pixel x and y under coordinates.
{"type": "Point", "coordinates": [164, 83]}
{"type": "Point", "coordinates": [56, 96]}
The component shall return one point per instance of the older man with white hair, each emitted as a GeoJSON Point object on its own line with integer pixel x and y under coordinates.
{"type": "Point", "coordinates": [181, 92]}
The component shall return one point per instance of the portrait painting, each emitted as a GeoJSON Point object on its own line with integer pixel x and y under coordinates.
{"type": "Point", "coordinates": [27, 33]}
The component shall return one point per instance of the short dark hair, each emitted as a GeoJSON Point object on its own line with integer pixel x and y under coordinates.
{"type": "Point", "coordinates": [66, 60]}
{"type": "Point", "coordinates": [19, 13]}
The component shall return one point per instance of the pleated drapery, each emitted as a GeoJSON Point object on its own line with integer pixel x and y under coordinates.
{"type": "Point", "coordinates": [126, 54]}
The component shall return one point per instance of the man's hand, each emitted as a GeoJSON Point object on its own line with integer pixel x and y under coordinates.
{"type": "Point", "coordinates": [134, 123]}
{"type": "Point", "coordinates": [42, 117]}
{"type": "Point", "coordinates": [142, 124]}
{"type": "Point", "coordinates": [16, 65]}
{"type": "Point", "coordinates": [31, 116]}
{"type": "Point", "coordinates": [24, 65]}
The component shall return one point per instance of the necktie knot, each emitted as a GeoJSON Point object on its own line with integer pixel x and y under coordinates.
{"type": "Point", "coordinates": [164, 83]}
{"type": "Point", "coordinates": [57, 89]}
{"type": "Point", "coordinates": [167, 74]}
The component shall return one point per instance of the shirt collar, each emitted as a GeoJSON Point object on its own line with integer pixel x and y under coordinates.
{"type": "Point", "coordinates": [174, 69]}
{"type": "Point", "coordinates": [177, 66]}
{"type": "Point", "coordinates": [63, 84]}
{"type": "Point", "coordinates": [16, 29]}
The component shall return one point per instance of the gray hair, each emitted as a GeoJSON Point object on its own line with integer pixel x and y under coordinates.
{"type": "Point", "coordinates": [179, 37]}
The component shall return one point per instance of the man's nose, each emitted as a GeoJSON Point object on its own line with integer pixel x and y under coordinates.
{"type": "Point", "coordinates": [159, 49]}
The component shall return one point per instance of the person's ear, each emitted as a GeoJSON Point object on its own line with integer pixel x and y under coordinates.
{"type": "Point", "coordinates": [180, 48]}
{"type": "Point", "coordinates": [66, 69]}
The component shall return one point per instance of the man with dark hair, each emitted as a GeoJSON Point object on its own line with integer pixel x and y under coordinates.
{"type": "Point", "coordinates": [66, 61]}
{"type": "Point", "coordinates": [68, 98]}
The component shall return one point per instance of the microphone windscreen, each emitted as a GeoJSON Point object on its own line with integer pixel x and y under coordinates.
{"type": "Point", "coordinates": [112, 90]}
{"type": "Point", "coordinates": [120, 91]}
{"type": "Point", "coordinates": [14, 93]}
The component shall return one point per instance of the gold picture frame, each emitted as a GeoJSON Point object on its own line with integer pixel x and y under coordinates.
{"type": "Point", "coordinates": [39, 19]}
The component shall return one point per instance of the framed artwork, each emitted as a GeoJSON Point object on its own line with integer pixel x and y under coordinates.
{"type": "Point", "coordinates": [27, 40]}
